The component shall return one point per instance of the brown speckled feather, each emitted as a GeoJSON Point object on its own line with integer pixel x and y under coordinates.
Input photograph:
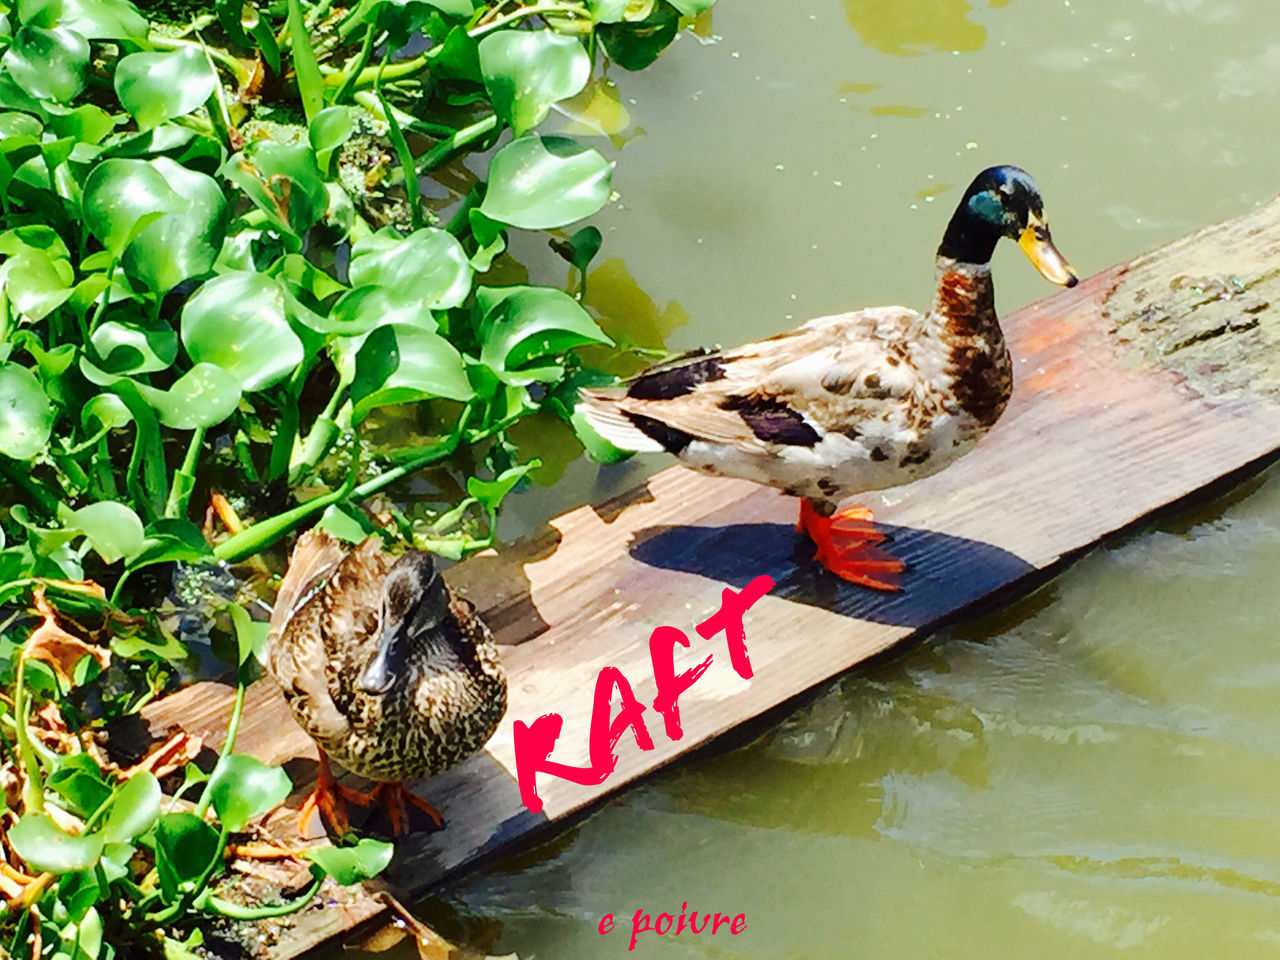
{"type": "Point", "coordinates": [441, 707]}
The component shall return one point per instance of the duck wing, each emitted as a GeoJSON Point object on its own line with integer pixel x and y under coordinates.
{"type": "Point", "coordinates": [828, 375]}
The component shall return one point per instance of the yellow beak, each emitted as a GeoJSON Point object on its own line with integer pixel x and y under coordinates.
{"type": "Point", "coordinates": [1038, 246]}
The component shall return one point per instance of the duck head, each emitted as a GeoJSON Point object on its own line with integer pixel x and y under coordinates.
{"type": "Point", "coordinates": [415, 602]}
{"type": "Point", "coordinates": [1004, 202]}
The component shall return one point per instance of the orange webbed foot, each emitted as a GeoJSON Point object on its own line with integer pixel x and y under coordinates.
{"type": "Point", "coordinates": [846, 545]}
{"type": "Point", "coordinates": [330, 799]}
{"type": "Point", "coordinates": [396, 799]}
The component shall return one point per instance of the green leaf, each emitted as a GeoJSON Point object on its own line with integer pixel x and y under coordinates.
{"type": "Point", "coordinates": [608, 11]}
{"type": "Point", "coordinates": [185, 847]}
{"type": "Point", "coordinates": [244, 787]}
{"type": "Point", "coordinates": [86, 123]}
{"type": "Point", "coordinates": [283, 181]}
{"type": "Point", "coordinates": [108, 410]}
{"type": "Point", "coordinates": [328, 130]}
{"type": "Point", "coordinates": [172, 539]}
{"type": "Point", "coordinates": [44, 847]}
{"type": "Point", "coordinates": [26, 416]}
{"type": "Point", "coordinates": [132, 348]}
{"type": "Point", "coordinates": [399, 363]}
{"type": "Point", "coordinates": [93, 19]}
{"type": "Point", "coordinates": [633, 46]}
{"type": "Point", "coordinates": [428, 266]}
{"type": "Point", "coordinates": [490, 493]}
{"type": "Point", "coordinates": [490, 240]}
{"type": "Point", "coordinates": [522, 325]}
{"type": "Point", "coordinates": [48, 64]}
{"type": "Point", "coordinates": [526, 71]}
{"type": "Point", "coordinates": [350, 865]}
{"type": "Point", "coordinates": [78, 781]}
{"type": "Point", "coordinates": [237, 321]}
{"type": "Point", "coordinates": [184, 243]}
{"type": "Point", "coordinates": [113, 528]}
{"type": "Point", "coordinates": [360, 310]}
{"type": "Point", "coordinates": [543, 182]}
{"type": "Point", "coordinates": [345, 522]}
{"type": "Point", "coordinates": [203, 397]}
{"type": "Point", "coordinates": [691, 8]}
{"type": "Point", "coordinates": [307, 71]}
{"type": "Point", "coordinates": [37, 284]}
{"type": "Point", "coordinates": [79, 891]}
{"type": "Point", "coordinates": [135, 808]}
{"type": "Point", "coordinates": [155, 87]}
{"type": "Point", "coordinates": [121, 197]}
{"type": "Point", "coordinates": [598, 448]}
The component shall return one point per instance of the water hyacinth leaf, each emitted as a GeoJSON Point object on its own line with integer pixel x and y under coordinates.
{"type": "Point", "coordinates": [346, 522]}
{"type": "Point", "coordinates": [126, 348]}
{"type": "Point", "coordinates": [692, 8]}
{"type": "Point", "coordinates": [184, 243]}
{"type": "Point", "coordinates": [458, 58]}
{"type": "Point", "coordinates": [49, 64]}
{"type": "Point", "coordinates": [135, 808]}
{"type": "Point", "coordinates": [490, 239]}
{"type": "Point", "coordinates": [429, 266]}
{"type": "Point", "coordinates": [203, 397]}
{"type": "Point", "coordinates": [634, 46]}
{"type": "Point", "coordinates": [35, 236]}
{"type": "Point", "coordinates": [87, 123]}
{"type": "Point", "coordinates": [330, 129]}
{"type": "Point", "coordinates": [171, 539]}
{"type": "Point", "coordinates": [490, 493]}
{"type": "Point", "coordinates": [45, 848]}
{"type": "Point", "coordinates": [400, 363]}
{"type": "Point", "coordinates": [92, 19]}
{"type": "Point", "coordinates": [525, 324]}
{"type": "Point", "coordinates": [244, 787]}
{"type": "Point", "coordinates": [155, 87]}
{"type": "Point", "coordinates": [107, 410]}
{"type": "Point", "coordinates": [79, 783]}
{"type": "Point", "coordinates": [237, 321]}
{"type": "Point", "coordinates": [542, 182]}
{"type": "Point", "coordinates": [353, 864]}
{"type": "Point", "coordinates": [607, 11]}
{"type": "Point", "coordinates": [113, 529]}
{"type": "Point", "coordinates": [526, 71]}
{"type": "Point", "coordinates": [598, 448]}
{"type": "Point", "coordinates": [121, 197]}
{"type": "Point", "coordinates": [364, 308]}
{"type": "Point", "coordinates": [26, 415]}
{"type": "Point", "coordinates": [283, 181]}
{"type": "Point", "coordinates": [36, 283]}
{"type": "Point", "coordinates": [185, 846]}
{"type": "Point", "coordinates": [79, 891]}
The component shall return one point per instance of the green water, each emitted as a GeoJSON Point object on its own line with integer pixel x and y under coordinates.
{"type": "Point", "coordinates": [1092, 773]}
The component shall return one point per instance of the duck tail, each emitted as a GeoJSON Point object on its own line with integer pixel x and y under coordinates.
{"type": "Point", "coordinates": [601, 406]}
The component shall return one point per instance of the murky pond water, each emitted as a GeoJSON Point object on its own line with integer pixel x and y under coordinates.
{"type": "Point", "coordinates": [1092, 773]}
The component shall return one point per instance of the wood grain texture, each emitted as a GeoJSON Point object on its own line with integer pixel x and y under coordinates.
{"type": "Point", "coordinates": [1108, 423]}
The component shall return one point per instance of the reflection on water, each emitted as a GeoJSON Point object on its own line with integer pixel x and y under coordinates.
{"type": "Point", "coordinates": [902, 27]}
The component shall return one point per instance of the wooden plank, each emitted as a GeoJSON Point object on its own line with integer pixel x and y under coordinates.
{"type": "Point", "coordinates": [1137, 388]}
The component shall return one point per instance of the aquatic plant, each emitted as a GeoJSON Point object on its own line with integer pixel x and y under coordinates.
{"type": "Point", "coordinates": [237, 238]}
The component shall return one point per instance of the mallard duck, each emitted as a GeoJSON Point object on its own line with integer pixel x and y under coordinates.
{"type": "Point", "coordinates": [856, 402]}
{"type": "Point", "coordinates": [390, 673]}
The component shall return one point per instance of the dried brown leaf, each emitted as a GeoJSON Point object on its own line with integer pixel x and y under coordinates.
{"type": "Point", "coordinates": [53, 645]}
{"type": "Point", "coordinates": [174, 754]}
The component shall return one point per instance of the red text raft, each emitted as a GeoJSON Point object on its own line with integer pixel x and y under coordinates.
{"type": "Point", "coordinates": [534, 742]}
{"type": "Point", "coordinates": [667, 923]}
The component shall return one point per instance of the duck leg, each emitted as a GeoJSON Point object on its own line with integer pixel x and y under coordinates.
{"type": "Point", "coordinates": [330, 799]}
{"type": "Point", "coordinates": [846, 545]}
{"type": "Point", "coordinates": [396, 800]}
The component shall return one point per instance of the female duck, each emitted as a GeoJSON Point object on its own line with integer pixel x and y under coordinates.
{"type": "Point", "coordinates": [389, 672]}
{"type": "Point", "coordinates": [855, 402]}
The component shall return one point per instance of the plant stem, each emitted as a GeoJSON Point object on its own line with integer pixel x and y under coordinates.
{"type": "Point", "coordinates": [351, 72]}
{"type": "Point", "coordinates": [369, 75]}
{"type": "Point", "coordinates": [537, 10]}
{"type": "Point", "coordinates": [447, 147]}
{"type": "Point", "coordinates": [33, 784]}
{"type": "Point", "coordinates": [238, 912]}
{"type": "Point", "coordinates": [228, 744]}
{"type": "Point", "coordinates": [184, 480]}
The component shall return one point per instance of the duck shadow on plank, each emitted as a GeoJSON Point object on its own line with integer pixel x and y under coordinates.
{"type": "Point", "coordinates": [944, 574]}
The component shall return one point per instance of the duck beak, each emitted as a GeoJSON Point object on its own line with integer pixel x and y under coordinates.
{"type": "Point", "coordinates": [1038, 246]}
{"type": "Point", "coordinates": [380, 673]}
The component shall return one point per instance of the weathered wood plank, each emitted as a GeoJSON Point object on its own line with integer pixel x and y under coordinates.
{"type": "Point", "coordinates": [1139, 387]}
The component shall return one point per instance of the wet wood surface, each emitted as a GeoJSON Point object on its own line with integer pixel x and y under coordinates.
{"type": "Point", "coordinates": [1129, 397]}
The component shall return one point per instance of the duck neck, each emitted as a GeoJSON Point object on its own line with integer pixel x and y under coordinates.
{"type": "Point", "coordinates": [963, 317]}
